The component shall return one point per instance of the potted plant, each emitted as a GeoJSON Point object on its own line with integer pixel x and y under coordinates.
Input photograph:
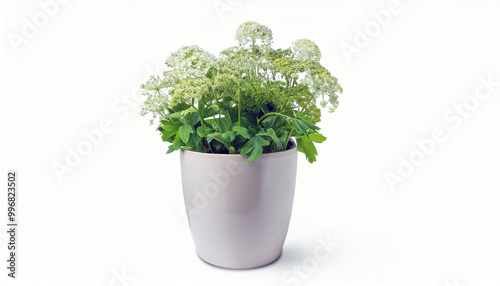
{"type": "Point", "coordinates": [234, 118]}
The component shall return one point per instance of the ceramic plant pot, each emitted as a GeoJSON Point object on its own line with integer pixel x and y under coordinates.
{"type": "Point", "coordinates": [239, 212]}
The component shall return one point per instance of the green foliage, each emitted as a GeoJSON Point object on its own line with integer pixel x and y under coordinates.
{"type": "Point", "coordinates": [306, 146]}
{"type": "Point", "coordinates": [185, 131]}
{"type": "Point", "coordinates": [253, 148]}
{"type": "Point", "coordinates": [241, 131]}
{"type": "Point", "coordinates": [251, 99]}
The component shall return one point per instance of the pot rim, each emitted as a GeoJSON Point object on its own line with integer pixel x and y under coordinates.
{"type": "Point", "coordinates": [293, 149]}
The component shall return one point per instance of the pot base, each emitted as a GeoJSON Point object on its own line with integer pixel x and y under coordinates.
{"type": "Point", "coordinates": [241, 268]}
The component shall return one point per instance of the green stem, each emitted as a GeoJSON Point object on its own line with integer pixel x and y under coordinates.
{"type": "Point", "coordinates": [239, 106]}
{"type": "Point", "coordinates": [218, 123]}
{"type": "Point", "coordinates": [207, 144]}
{"type": "Point", "coordinates": [162, 113]}
{"type": "Point", "coordinates": [289, 134]}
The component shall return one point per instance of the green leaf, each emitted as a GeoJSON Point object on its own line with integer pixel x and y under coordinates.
{"type": "Point", "coordinates": [232, 150]}
{"type": "Point", "coordinates": [241, 131]}
{"type": "Point", "coordinates": [300, 126]}
{"type": "Point", "coordinates": [276, 140]}
{"type": "Point", "coordinates": [303, 126]}
{"type": "Point", "coordinates": [269, 121]}
{"type": "Point", "coordinates": [230, 135]}
{"type": "Point", "coordinates": [180, 107]}
{"type": "Point", "coordinates": [203, 130]}
{"type": "Point", "coordinates": [306, 146]}
{"type": "Point", "coordinates": [220, 138]}
{"type": "Point", "coordinates": [195, 143]}
{"type": "Point", "coordinates": [248, 120]}
{"type": "Point", "coordinates": [233, 113]}
{"type": "Point", "coordinates": [253, 148]}
{"type": "Point", "coordinates": [184, 131]}
{"type": "Point", "coordinates": [171, 149]}
{"type": "Point", "coordinates": [189, 110]}
{"type": "Point", "coordinates": [224, 124]}
{"type": "Point", "coordinates": [201, 108]}
{"type": "Point", "coordinates": [175, 115]}
{"type": "Point", "coordinates": [168, 130]}
{"type": "Point", "coordinates": [168, 121]}
{"type": "Point", "coordinates": [177, 140]}
{"type": "Point", "coordinates": [168, 127]}
{"type": "Point", "coordinates": [206, 111]}
{"type": "Point", "coordinates": [316, 137]}
{"type": "Point", "coordinates": [168, 138]}
{"type": "Point", "coordinates": [262, 133]}
{"type": "Point", "coordinates": [306, 125]}
{"type": "Point", "coordinates": [190, 118]}
{"type": "Point", "coordinates": [212, 122]}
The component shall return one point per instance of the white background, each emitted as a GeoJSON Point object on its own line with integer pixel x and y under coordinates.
{"type": "Point", "coordinates": [118, 210]}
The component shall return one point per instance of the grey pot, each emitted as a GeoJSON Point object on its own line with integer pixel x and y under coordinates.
{"type": "Point", "coordinates": [238, 212]}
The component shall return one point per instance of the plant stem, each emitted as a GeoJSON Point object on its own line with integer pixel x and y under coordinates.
{"type": "Point", "coordinates": [162, 113]}
{"type": "Point", "coordinates": [239, 105]}
{"type": "Point", "coordinates": [289, 134]}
